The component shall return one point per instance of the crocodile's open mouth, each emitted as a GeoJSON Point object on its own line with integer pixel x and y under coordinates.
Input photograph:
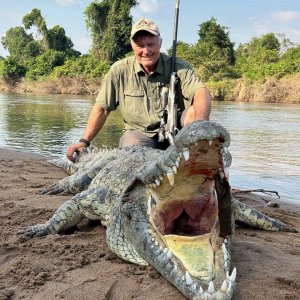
{"type": "Point", "coordinates": [186, 217]}
{"type": "Point", "coordinates": [186, 240]}
{"type": "Point", "coordinates": [183, 208]}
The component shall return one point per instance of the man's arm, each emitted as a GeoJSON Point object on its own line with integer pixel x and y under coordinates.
{"type": "Point", "coordinates": [96, 121]}
{"type": "Point", "coordinates": [200, 108]}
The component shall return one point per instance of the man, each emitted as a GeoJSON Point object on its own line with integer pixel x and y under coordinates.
{"type": "Point", "coordinates": [134, 84]}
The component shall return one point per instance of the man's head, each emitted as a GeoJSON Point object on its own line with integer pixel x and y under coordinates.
{"type": "Point", "coordinates": [144, 25]}
{"type": "Point", "coordinates": [146, 43]}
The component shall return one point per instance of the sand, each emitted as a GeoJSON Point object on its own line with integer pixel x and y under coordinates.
{"type": "Point", "coordinates": [79, 265]}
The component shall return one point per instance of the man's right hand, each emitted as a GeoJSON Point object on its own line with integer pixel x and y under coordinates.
{"type": "Point", "coordinates": [96, 120]}
{"type": "Point", "coordinates": [75, 148]}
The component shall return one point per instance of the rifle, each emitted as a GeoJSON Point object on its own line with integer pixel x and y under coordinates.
{"type": "Point", "coordinates": [168, 122]}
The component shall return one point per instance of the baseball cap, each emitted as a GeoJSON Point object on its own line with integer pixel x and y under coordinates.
{"type": "Point", "coordinates": [144, 24]}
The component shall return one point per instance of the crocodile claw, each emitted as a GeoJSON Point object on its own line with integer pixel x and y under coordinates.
{"type": "Point", "coordinates": [53, 189]}
{"type": "Point", "coordinates": [35, 231]}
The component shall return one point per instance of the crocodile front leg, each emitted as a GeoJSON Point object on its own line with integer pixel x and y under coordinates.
{"type": "Point", "coordinates": [67, 216]}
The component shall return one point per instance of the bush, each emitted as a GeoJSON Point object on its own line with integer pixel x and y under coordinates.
{"type": "Point", "coordinates": [11, 70]}
{"type": "Point", "coordinates": [221, 89]}
{"type": "Point", "coordinates": [87, 66]}
{"type": "Point", "coordinates": [44, 64]}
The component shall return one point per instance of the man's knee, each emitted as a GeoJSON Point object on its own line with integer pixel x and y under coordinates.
{"type": "Point", "coordinates": [135, 137]}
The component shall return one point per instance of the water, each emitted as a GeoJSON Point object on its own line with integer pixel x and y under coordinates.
{"type": "Point", "coordinates": [265, 137]}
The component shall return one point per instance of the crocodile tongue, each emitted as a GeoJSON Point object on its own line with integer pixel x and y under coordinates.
{"type": "Point", "coordinates": [195, 253]}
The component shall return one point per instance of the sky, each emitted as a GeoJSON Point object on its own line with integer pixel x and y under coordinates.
{"type": "Point", "coordinates": [244, 19]}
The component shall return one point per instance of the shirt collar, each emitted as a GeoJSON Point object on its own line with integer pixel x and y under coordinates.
{"type": "Point", "coordinates": [158, 69]}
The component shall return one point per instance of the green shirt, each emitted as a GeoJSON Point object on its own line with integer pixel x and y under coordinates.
{"type": "Point", "coordinates": [137, 94]}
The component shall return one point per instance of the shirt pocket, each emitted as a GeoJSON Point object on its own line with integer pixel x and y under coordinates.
{"type": "Point", "coordinates": [134, 101]}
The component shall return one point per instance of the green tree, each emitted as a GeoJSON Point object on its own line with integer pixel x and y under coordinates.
{"type": "Point", "coordinates": [58, 40]}
{"type": "Point", "coordinates": [11, 70]}
{"type": "Point", "coordinates": [270, 42]}
{"type": "Point", "coordinates": [34, 18]}
{"type": "Point", "coordinates": [217, 36]}
{"type": "Point", "coordinates": [54, 38]}
{"type": "Point", "coordinates": [20, 45]}
{"type": "Point", "coordinates": [182, 51]}
{"type": "Point", "coordinates": [109, 22]}
{"type": "Point", "coordinates": [257, 59]}
{"type": "Point", "coordinates": [213, 55]}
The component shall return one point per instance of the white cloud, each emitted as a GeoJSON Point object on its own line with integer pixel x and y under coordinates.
{"type": "Point", "coordinates": [292, 31]}
{"type": "Point", "coordinates": [149, 6]}
{"type": "Point", "coordinates": [285, 15]}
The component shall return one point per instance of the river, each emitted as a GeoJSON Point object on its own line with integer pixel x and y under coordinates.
{"type": "Point", "coordinates": [265, 138]}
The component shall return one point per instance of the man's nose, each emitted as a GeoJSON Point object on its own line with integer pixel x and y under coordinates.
{"type": "Point", "coordinates": [146, 50]}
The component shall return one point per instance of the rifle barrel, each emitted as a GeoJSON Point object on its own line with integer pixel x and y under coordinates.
{"type": "Point", "coordinates": [175, 35]}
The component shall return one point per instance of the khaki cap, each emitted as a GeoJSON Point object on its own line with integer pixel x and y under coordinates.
{"type": "Point", "coordinates": [144, 24]}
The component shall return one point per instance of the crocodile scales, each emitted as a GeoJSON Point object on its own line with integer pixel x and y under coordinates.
{"type": "Point", "coordinates": [171, 209]}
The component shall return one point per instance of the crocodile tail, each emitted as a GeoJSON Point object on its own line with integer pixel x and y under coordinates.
{"type": "Point", "coordinates": [244, 214]}
{"type": "Point", "coordinates": [65, 164]}
{"type": "Point", "coordinates": [71, 167]}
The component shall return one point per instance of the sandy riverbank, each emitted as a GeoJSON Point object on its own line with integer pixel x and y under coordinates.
{"type": "Point", "coordinates": [79, 265]}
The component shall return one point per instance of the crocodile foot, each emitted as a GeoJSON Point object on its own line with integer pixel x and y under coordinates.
{"type": "Point", "coordinates": [35, 231]}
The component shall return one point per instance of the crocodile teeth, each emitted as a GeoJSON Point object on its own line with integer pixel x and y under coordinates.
{"type": "Point", "coordinates": [226, 170]}
{"type": "Point", "coordinates": [233, 275]}
{"type": "Point", "coordinates": [210, 142]}
{"type": "Point", "coordinates": [194, 286]}
{"type": "Point", "coordinates": [200, 290]}
{"type": "Point", "coordinates": [157, 182]}
{"type": "Point", "coordinates": [224, 287]}
{"type": "Point", "coordinates": [229, 288]}
{"type": "Point", "coordinates": [211, 288]}
{"type": "Point", "coordinates": [186, 154]}
{"type": "Point", "coordinates": [149, 203]}
{"type": "Point", "coordinates": [188, 278]}
{"type": "Point", "coordinates": [169, 254]}
{"type": "Point", "coordinates": [171, 178]}
{"type": "Point", "coordinates": [224, 250]}
{"type": "Point", "coordinates": [174, 169]}
{"type": "Point", "coordinates": [225, 256]}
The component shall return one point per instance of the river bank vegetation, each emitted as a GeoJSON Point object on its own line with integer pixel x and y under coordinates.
{"type": "Point", "coordinates": [43, 60]}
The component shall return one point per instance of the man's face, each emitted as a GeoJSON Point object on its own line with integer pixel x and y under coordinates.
{"type": "Point", "coordinates": [147, 50]}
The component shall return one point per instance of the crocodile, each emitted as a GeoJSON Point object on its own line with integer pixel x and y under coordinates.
{"type": "Point", "coordinates": [171, 209]}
